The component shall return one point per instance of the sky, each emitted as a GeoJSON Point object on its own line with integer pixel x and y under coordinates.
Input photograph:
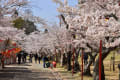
{"type": "Point", "coordinates": [47, 9]}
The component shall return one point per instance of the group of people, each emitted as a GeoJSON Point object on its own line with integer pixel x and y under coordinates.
{"type": "Point", "coordinates": [22, 57]}
{"type": "Point", "coordinates": [37, 57]}
{"type": "Point", "coordinates": [46, 62]}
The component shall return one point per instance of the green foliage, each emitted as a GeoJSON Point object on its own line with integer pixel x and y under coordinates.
{"type": "Point", "coordinates": [19, 23]}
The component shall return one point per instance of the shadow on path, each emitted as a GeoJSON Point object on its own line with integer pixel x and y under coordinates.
{"type": "Point", "coordinates": [10, 72]}
{"type": "Point", "coordinates": [21, 72]}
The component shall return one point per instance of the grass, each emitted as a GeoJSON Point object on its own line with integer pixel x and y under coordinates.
{"type": "Point", "coordinates": [109, 74]}
{"type": "Point", "coordinates": [67, 75]}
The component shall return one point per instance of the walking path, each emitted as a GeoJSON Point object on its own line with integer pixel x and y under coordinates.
{"type": "Point", "coordinates": [28, 72]}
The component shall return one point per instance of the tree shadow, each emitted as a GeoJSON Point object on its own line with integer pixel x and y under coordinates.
{"type": "Point", "coordinates": [10, 72]}
{"type": "Point", "coordinates": [21, 73]}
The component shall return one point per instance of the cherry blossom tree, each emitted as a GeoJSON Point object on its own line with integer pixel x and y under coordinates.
{"type": "Point", "coordinates": [9, 7]}
{"type": "Point", "coordinates": [35, 41]}
{"type": "Point", "coordinates": [92, 21]}
{"type": "Point", "coordinates": [62, 41]}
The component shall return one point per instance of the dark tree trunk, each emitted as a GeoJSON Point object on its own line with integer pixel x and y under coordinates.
{"type": "Point", "coordinates": [77, 65]}
{"type": "Point", "coordinates": [96, 71]}
{"type": "Point", "coordinates": [64, 60]}
{"type": "Point", "coordinates": [69, 61]}
{"type": "Point", "coordinates": [105, 52]}
{"type": "Point", "coordinates": [96, 66]}
{"type": "Point", "coordinates": [87, 70]}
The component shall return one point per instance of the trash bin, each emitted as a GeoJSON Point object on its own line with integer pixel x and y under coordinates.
{"type": "Point", "coordinates": [54, 64]}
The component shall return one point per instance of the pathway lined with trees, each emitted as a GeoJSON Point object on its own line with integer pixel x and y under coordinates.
{"type": "Point", "coordinates": [90, 29]}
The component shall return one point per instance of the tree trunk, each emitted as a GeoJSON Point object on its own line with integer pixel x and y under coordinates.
{"type": "Point", "coordinates": [87, 70]}
{"type": "Point", "coordinates": [61, 61]}
{"type": "Point", "coordinates": [77, 65]}
{"type": "Point", "coordinates": [64, 59]}
{"type": "Point", "coordinates": [69, 61]}
{"type": "Point", "coordinates": [58, 57]}
{"type": "Point", "coordinates": [96, 71]}
{"type": "Point", "coordinates": [105, 53]}
{"type": "Point", "coordinates": [96, 66]}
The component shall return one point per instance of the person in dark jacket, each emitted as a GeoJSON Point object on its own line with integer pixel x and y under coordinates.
{"type": "Point", "coordinates": [25, 56]}
{"type": "Point", "coordinates": [39, 58]}
{"type": "Point", "coordinates": [36, 58]}
{"type": "Point", "coordinates": [44, 61]}
{"type": "Point", "coordinates": [30, 58]}
{"type": "Point", "coordinates": [19, 58]}
{"type": "Point", "coordinates": [85, 58]}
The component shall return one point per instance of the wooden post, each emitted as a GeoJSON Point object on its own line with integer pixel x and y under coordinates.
{"type": "Point", "coordinates": [100, 59]}
{"type": "Point", "coordinates": [82, 65]}
{"type": "Point", "coordinates": [73, 61]}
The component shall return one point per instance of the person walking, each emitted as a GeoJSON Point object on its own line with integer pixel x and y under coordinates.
{"type": "Point", "coordinates": [36, 57]}
{"type": "Point", "coordinates": [44, 61]}
{"type": "Point", "coordinates": [85, 58]}
{"type": "Point", "coordinates": [24, 56]}
{"type": "Point", "coordinates": [30, 58]}
{"type": "Point", "coordinates": [39, 58]}
{"type": "Point", "coordinates": [19, 58]}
